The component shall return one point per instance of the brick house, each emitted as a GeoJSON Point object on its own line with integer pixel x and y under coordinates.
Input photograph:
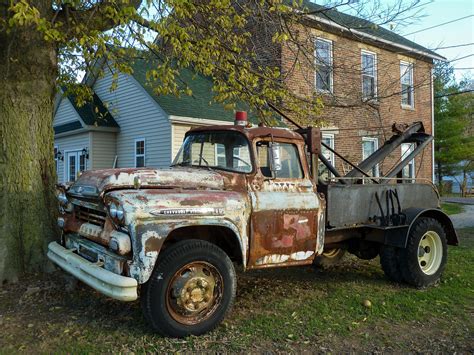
{"type": "Point", "coordinates": [367, 77]}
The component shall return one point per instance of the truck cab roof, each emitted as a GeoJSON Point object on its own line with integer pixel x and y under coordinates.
{"type": "Point", "coordinates": [252, 132]}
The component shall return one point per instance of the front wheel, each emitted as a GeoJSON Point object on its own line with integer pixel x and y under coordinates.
{"type": "Point", "coordinates": [191, 289]}
{"type": "Point", "coordinates": [424, 258]}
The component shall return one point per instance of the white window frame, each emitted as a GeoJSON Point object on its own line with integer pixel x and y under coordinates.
{"type": "Point", "coordinates": [403, 155]}
{"type": "Point", "coordinates": [56, 160]}
{"type": "Point", "coordinates": [332, 158]}
{"type": "Point", "coordinates": [139, 155]}
{"type": "Point", "coordinates": [331, 64]}
{"type": "Point", "coordinates": [362, 53]}
{"type": "Point", "coordinates": [218, 155]}
{"type": "Point", "coordinates": [410, 67]}
{"type": "Point", "coordinates": [376, 140]}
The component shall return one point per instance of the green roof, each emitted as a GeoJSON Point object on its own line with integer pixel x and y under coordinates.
{"type": "Point", "coordinates": [199, 105]}
{"type": "Point", "coordinates": [94, 113]}
{"type": "Point", "coordinates": [364, 26]}
{"type": "Point", "coordinates": [67, 127]}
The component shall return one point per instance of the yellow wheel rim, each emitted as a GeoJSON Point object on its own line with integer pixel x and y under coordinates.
{"type": "Point", "coordinates": [430, 252]}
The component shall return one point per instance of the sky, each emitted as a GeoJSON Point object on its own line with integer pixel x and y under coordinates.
{"type": "Point", "coordinates": [431, 13]}
{"type": "Point", "coordinates": [460, 32]}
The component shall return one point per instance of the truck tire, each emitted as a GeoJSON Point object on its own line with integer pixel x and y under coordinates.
{"type": "Point", "coordinates": [389, 261]}
{"type": "Point", "coordinates": [424, 258]}
{"type": "Point", "coordinates": [329, 258]}
{"type": "Point", "coordinates": [191, 289]}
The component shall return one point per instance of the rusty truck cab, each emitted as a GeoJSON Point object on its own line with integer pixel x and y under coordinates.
{"type": "Point", "coordinates": [287, 214]}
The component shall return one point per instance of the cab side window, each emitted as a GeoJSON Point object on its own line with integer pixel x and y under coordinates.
{"type": "Point", "coordinates": [290, 161]}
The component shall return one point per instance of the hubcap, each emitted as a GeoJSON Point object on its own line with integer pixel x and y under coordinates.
{"type": "Point", "coordinates": [194, 292]}
{"type": "Point", "coordinates": [430, 252]}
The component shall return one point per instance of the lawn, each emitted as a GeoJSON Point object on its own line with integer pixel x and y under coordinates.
{"type": "Point", "coordinates": [452, 208]}
{"type": "Point", "coordinates": [293, 309]}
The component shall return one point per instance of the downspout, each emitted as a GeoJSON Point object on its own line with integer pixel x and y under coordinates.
{"type": "Point", "coordinates": [432, 128]}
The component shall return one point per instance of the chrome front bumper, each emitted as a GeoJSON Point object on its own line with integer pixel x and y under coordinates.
{"type": "Point", "coordinates": [93, 274]}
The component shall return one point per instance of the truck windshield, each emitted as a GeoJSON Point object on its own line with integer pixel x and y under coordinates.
{"type": "Point", "coordinates": [219, 150]}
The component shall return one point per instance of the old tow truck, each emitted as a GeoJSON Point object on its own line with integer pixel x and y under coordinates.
{"type": "Point", "coordinates": [250, 196]}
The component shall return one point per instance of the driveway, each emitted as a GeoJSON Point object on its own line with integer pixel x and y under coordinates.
{"type": "Point", "coordinates": [464, 219]}
{"type": "Point", "coordinates": [463, 200]}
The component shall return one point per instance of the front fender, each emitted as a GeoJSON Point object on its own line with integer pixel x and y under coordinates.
{"type": "Point", "coordinates": [149, 238]}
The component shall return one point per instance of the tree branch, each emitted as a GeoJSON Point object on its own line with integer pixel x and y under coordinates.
{"type": "Point", "coordinates": [94, 17]}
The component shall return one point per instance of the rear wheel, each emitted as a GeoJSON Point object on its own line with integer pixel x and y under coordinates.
{"type": "Point", "coordinates": [423, 260]}
{"type": "Point", "coordinates": [191, 289]}
{"type": "Point", "coordinates": [329, 258]}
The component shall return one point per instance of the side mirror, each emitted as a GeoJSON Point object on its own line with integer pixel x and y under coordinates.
{"type": "Point", "coordinates": [275, 156]}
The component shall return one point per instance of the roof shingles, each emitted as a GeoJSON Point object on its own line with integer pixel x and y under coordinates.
{"type": "Point", "coordinates": [365, 26]}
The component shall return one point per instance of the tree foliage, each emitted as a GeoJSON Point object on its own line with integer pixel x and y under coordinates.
{"type": "Point", "coordinates": [215, 38]}
{"type": "Point", "coordinates": [454, 110]}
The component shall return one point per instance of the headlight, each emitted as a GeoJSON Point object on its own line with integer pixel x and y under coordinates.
{"type": "Point", "coordinates": [113, 210]}
{"type": "Point", "coordinates": [63, 199]}
{"type": "Point", "coordinates": [64, 204]}
{"type": "Point", "coordinates": [120, 213]}
{"type": "Point", "coordinates": [116, 212]}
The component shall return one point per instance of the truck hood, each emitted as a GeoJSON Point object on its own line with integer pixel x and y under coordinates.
{"type": "Point", "coordinates": [98, 182]}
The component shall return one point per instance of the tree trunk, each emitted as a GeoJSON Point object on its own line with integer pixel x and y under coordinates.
{"type": "Point", "coordinates": [28, 68]}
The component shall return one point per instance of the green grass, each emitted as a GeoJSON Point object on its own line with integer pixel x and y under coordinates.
{"type": "Point", "coordinates": [293, 309]}
{"type": "Point", "coordinates": [452, 208]}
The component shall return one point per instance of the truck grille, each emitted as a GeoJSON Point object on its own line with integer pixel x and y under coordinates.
{"type": "Point", "coordinates": [90, 215]}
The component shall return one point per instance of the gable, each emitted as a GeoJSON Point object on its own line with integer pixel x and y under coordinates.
{"type": "Point", "coordinates": [65, 113]}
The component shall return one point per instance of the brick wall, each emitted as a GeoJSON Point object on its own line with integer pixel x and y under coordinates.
{"type": "Point", "coordinates": [344, 110]}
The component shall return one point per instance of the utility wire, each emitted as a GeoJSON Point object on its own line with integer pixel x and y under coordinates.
{"type": "Point", "coordinates": [466, 56]}
{"type": "Point", "coordinates": [441, 24]}
{"type": "Point", "coordinates": [454, 93]}
{"type": "Point", "coordinates": [471, 68]}
{"type": "Point", "coordinates": [454, 46]}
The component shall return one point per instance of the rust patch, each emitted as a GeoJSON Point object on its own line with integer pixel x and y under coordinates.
{"type": "Point", "coordinates": [282, 238]}
{"type": "Point", "coordinates": [191, 203]}
{"type": "Point", "coordinates": [153, 244]}
{"type": "Point", "coordinates": [142, 198]}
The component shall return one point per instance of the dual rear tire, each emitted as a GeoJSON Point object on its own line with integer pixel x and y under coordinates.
{"type": "Point", "coordinates": [423, 260]}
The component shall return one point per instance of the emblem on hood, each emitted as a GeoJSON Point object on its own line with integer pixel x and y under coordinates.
{"type": "Point", "coordinates": [206, 211]}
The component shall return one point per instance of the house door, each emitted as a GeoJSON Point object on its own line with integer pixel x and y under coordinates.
{"type": "Point", "coordinates": [75, 163]}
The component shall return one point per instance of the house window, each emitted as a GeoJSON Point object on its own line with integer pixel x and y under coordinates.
{"type": "Point", "coordinates": [406, 78]}
{"type": "Point", "coordinates": [139, 153]}
{"type": "Point", "coordinates": [323, 172]}
{"type": "Point", "coordinates": [408, 171]}
{"type": "Point", "coordinates": [220, 155]}
{"type": "Point", "coordinates": [323, 54]}
{"type": "Point", "coordinates": [369, 75]}
{"type": "Point", "coordinates": [82, 162]}
{"type": "Point", "coordinates": [369, 146]}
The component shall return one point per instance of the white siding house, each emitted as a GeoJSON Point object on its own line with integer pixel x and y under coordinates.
{"type": "Point", "coordinates": [129, 126]}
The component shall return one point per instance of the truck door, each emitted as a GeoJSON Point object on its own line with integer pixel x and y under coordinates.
{"type": "Point", "coordinates": [285, 209]}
